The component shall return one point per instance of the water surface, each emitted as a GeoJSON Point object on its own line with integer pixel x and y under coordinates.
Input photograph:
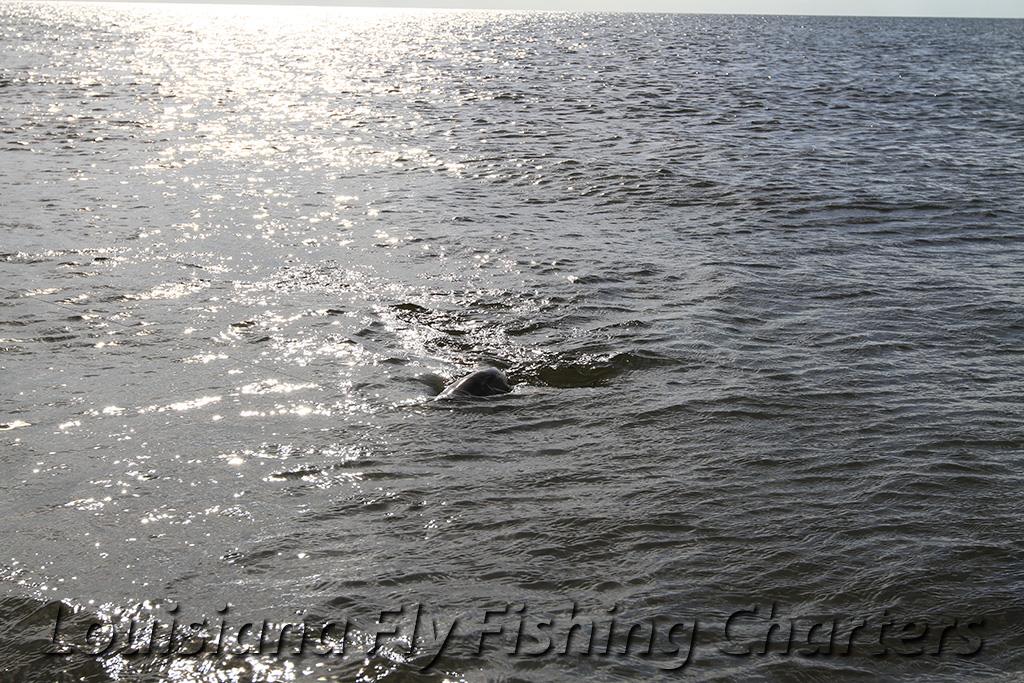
{"type": "Point", "coordinates": [758, 281]}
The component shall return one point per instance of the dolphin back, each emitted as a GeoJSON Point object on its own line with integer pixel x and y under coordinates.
{"type": "Point", "coordinates": [486, 382]}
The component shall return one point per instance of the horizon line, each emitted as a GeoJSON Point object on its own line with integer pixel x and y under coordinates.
{"type": "Point", "coordinates": [440, 6]}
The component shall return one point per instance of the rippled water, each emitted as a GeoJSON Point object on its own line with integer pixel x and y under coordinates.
{"type": "Point", "coordinates": [758, 282]}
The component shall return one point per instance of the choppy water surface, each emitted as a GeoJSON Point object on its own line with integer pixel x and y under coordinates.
{"type": "Point", "coordinates": [758, 282]}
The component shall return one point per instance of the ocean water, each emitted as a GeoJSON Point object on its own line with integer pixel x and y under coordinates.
{"type": "Point", "coordinates": [759, 282]}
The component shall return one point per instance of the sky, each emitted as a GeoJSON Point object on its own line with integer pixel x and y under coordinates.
{"type": "Point", "coordinates": [942, 8]}
{"type": "Point", "coordinates": [904, 8]}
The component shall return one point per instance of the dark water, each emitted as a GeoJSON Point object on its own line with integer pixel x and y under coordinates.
{"type": "Point", "coordinates": [759, 283]}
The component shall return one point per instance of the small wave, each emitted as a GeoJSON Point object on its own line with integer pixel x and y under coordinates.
{"type": "Point", "coordinates": [591, 371]}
